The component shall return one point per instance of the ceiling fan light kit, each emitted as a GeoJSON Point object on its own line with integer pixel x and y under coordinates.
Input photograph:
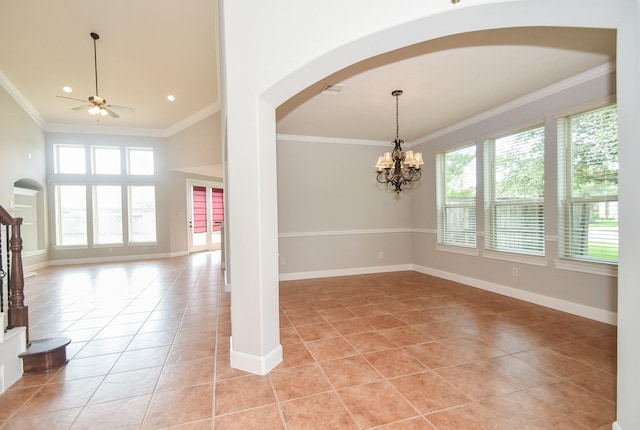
{"type": "Point", "coordinates": [98, 106]}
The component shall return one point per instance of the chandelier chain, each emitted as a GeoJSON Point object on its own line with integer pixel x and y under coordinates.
{"type": "Point", "coordinates": [397, 119]}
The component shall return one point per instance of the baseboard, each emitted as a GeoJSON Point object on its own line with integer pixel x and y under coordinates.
{"type": "Point", "coordinates": [34, 267]}
{"type": "Point", "coordinates": [539, 299]}
{"type": "Point", "coordinates": [258, 365]}
{"type": "Point", "coordinates": [616, 426]}
{"type": "Point", "coordinates": [343, 272]}
{"type": "Point", "coordinates": [14, 343]}
{"type": "Point", "coordinates": [116, 259]}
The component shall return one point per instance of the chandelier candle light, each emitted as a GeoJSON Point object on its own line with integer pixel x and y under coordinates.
{"type": "Point", "coordinates": [399, 168]}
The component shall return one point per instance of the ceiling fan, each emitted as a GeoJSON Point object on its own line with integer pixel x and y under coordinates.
{"type": "Point", "coordinates": [97, 105]}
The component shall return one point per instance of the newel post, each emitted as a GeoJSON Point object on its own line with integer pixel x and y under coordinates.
{"type": "Point", "coordinates": [19, 312]}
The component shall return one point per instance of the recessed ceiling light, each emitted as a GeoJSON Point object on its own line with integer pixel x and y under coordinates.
{"type": "Point", "coordinates": [170, 98]}
{"type": "Point", "coordinates": [67, 89]}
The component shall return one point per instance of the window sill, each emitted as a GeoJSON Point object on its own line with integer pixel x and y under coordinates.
{"type": "Point", "coordinates": [516, 258]}
{"type": "Point", "coordinates": [142, 243]}
{"type": "Point", "coordinates": [603, 269]}
{"type": "Point", "coordinates": [457, 249]}
{"type": "Point", "coordinates": [70, 247]}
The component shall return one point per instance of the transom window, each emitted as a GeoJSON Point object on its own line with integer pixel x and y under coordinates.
{"type": "Point", "coordinates": [69, 159]}
{"type": "Point", "coordinates": [140, 161]}
{"type": "Point", "coordinates": [106, 160]}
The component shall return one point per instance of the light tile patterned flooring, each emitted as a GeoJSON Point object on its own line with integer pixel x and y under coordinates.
{"type": "Point", "coordinates": [391, 351]}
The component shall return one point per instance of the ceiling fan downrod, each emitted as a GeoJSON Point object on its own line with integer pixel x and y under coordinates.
{"type": "Point", "coordinates": [95, 37]}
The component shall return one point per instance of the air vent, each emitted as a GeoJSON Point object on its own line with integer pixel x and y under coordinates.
{"type": "Point", "coordinates": [332, 90]}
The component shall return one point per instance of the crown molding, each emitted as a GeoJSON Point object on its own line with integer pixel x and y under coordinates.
{"type": "Point", "coordinates": [134, 131]}
{"type": "Point", "coordinates": [191, 120]}
{"type": "Point", "coordinates": [96, 129]}
{"type": "Point", "coordinates": [21, 100]}
{"type": "Point", "coordinates": [573, 81]}
{"type": "Point", "coordinates": [323, 139]}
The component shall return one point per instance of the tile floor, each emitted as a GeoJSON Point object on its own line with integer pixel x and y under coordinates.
{"type": "Point", "coordinates": [392, 351]}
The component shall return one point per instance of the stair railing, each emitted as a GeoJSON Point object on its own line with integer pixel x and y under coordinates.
{"type": "Point", "coordinates": [17, 312]}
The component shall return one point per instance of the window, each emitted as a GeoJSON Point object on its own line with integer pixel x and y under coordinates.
{"type": "Point", "coordinates": [456, 184]}
{"type": "Point", "coordinates": [106, 160]}
{"type": "Point", "coordinates": [69, 159]}
{"type": "Point", "coordinates": [588, 186]}
{"type": "Point", "coordinates": [91, 207]}
{"type": "Point", "coordinates": [142, 214]}
{"type": "Point", "coordinates": [217, 203]}
{"type": "Point", "coordinates": [107, 214]}
{"type": "Point", "coordinates": [71, 215]}
{"type": "Point", "coordinates": [140, 161]}
{"type": "Point", "coordinates": [514, 192]}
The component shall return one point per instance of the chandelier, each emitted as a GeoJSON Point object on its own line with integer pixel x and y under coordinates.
{"type": "Point", "coordinates": [399, 168]}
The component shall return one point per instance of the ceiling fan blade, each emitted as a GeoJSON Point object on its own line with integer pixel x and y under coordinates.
{"type": "Point", "coordinates": [127, 108]}
{"type": "Point", "coordinates": [80, 107]}
{"type": "Point", "coordinates": [111, 113]}
{"type": "Point", "coordinates": [71, 98]}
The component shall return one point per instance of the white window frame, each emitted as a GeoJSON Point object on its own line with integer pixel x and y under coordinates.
{"type": "Point", "coordinates": [97, 239]}
{"type": "Point", "coordinates": [568, 246]}
{"type": "Point", "coordinates": [529, 228]}
{"type": "Point", "coordinates": [131, 238]}
{"type": "Point", "coordinates": [94, 159]}
{"type": "Point", "coordinates": [57, 159]}
{"type": "Point", "coordinates": [59, 219]}
{"type": "Point", "coordinates": [448, 234]}
{"type": "Point", "coordinates": [132, 169]}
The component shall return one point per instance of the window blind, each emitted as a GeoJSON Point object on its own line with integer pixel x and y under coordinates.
{"type": "Point", "coordinates": [217, 203]}
{"type": "Point", "coordinates": [199, 204]}
{"type": "Point", "coordinates": [514, 192]}
{"type": "Point", "coordinates": [588, 186]}
{"type": "Point", "coordinates": [456, 184]}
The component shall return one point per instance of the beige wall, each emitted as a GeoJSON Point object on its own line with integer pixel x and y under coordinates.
{"type": "Point", "coordinates": [197, 149]}
{"type": "Point", "coordinates": [163, 201]}
{"type": "Point", "coordinates": [22, 145]}
{"type": "Point", "coordinates": [333, 215]}
{"type": "Point", "coordinates": [596, 292]}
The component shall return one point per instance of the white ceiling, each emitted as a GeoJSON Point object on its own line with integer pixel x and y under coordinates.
{"type": "Point", "coordinates": [444, 81]}
{"type": "Point", "coordinates": [149, 49]}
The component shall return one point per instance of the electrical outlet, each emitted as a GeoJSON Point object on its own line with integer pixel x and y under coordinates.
{"type": "Point", "coordinates": [514, 271]}
{"type": "Point", "coordinates": [380, 254]}
{"type": "Point", "coordinates": [282, 261]}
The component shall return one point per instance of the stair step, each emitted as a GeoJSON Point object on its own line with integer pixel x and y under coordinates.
{"type": "Point", "coordinates": [44, 355]}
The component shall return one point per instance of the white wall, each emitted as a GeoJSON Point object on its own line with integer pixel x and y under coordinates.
{"type": "Point", "coordinates": [629, 177]}
{"type": "Point", "coordinates": [264, 66]}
